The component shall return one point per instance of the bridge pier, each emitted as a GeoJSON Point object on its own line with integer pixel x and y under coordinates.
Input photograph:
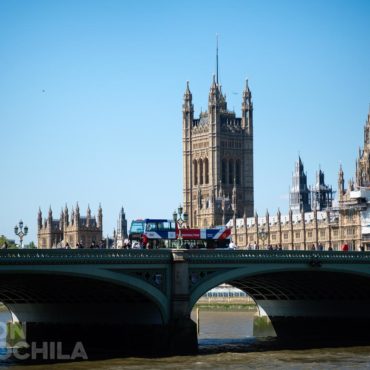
{"type": "Point", "coordinates": [182, 329]}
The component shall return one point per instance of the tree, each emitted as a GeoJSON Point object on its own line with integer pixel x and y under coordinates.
{"type": "Point", "coordinates": [5, 241]}
{"type": "Point", "coordinates": [31, 245]}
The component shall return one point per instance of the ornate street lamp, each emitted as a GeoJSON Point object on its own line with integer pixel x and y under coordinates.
{"type": "Point", "coordinates": [263, 235]}
{"type": "Point", "coordinates": [180, 219]}
{"type": "Point", "coordinates": [21, 232]}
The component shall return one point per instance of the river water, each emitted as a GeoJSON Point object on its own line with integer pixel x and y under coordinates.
{"type": "Point", "coordinates": [226, 341]}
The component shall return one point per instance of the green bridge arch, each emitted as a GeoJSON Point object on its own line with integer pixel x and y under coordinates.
{"type": "Point", "coordinates": [303, 292]}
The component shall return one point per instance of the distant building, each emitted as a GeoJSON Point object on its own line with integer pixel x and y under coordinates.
{"type": "Point", "coordinates": [303, 198]}
{"type": "Point", "coordinates": [72, 230]}
{"type": "Point", "coordinates": [299, 197]}
{"type": "Point", "coordinates": [121, 233]}
{"type": "Point", "coordinates": [363, 161]}
{"type": "Point", "coordinates": [321, 194]}
{"type": "Point", "coordinates": [330, 224]}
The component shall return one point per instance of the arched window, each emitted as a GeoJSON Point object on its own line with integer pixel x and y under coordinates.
{"type": "Point", "coordinates": [200, 171]}
{"type": "Point", "coordinates": [223, 171]}
{"type": "Point", "coordinates": [206, 171]}
{"type": "Point", "coordinates": [231, 171]}
{"type": "Point", "coordinates": [237, 171]}
{"type": "Point", "coordinates": [195, 172]}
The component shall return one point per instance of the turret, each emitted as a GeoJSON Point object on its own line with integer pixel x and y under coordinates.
{"type": "Point", "coordinates": [188, 108]}
{"type": "Point", "coordinates": [122, 224]}
{"type": "Point", "coordinates": [77, 215]}
{"type": "Point", "coordinates": [247, 110]}
{"type": "Point", "coordinates": [267, 215]}
{"type": "Point", "coordinates": [73, 216]}
{"type": "Point", "coordinates": [50, 217]}
{"type": "Point", "coordinates": [66, 216]}
{"type": "Point", "coordinates": [214, 94]}
{"type": "Point", "coordinates": [340, 183]}
{"type": "Point", "coordinates": [278, 215]}
{"type": "Point", "coordinates": [61, 220]}
{"type": "Point", "coordinates": [367, 131]}
{"type": "Point", "coordinates": [100, 217]}
{"type": "Point", "coordinates": [88, 216]}
{"type": "Point", "coordinates": [39, 219]}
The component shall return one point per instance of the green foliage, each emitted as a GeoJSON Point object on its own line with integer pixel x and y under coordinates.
{"type": "Point", "coordinates": [5, 241]}
{"type": "Point", "coordinates": [31, 245]}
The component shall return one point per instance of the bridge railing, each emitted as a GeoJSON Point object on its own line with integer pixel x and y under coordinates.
{"type": "Point", "coordinates": [25, 256]}
{"type": "Point", "coordinates": [293, 256]}
{"type": "Point", "coordinates": [22, 256]}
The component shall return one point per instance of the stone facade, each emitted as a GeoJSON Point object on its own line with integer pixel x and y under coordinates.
{"type": "Point", "coordinates": [71, 230]}
{"type": "Point", "coordinates": [217, 159]}
{"type": "Point", "coordinates": [121, 233]}
{"type": "Point", "coordinates": [330, 228]}
{"type": "Point", "coordinates": [303, 198]}
{"type": "Point", "coordinates": [299, 197]}
{"type": "Point", "coordinates": [346, 222]}
{"type": "Point", "coordinates": [363, 161]}
{"type": "Point", "coordinates": [321, 193]}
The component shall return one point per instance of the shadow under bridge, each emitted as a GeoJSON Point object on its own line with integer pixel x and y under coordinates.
{"type": "Point", "coordinates": [105, 303]}
{"type": "Point", "coordinates": [302, 299]}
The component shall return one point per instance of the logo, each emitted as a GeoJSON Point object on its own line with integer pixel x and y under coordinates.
{"type": "Point", "coordinates": [13, 344]}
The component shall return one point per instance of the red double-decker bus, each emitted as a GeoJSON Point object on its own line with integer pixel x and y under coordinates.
{"type": "Point", "coordinates": [163, 233]}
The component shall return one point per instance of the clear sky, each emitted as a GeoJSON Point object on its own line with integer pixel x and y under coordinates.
{"type": "Point", "coordinates": [91, 95]}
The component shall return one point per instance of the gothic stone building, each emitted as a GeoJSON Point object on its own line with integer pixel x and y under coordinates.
{"type": "Point", "coordinates": [217, 159]}
{"type": "Point", "coordinates": [71, 230]}
{"type": "Point", "coordinates": [344, 223]}
{"type": "Point", "coordinates": [121, 234]}
{"type": "Point", "coordinates": [331, 228]}
{"type": "Point", "coordinates": [305, 199]}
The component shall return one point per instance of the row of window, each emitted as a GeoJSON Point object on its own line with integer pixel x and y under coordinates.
{"type": "Point", "coordinates": [225, 294]}
{"type": "Point", "coordinates": [231, 144]}
{"type": "Point", "coordinates": [297, 234]}
{"type": "Point", "coordinates": [201, 171]}
{"type": "Point", "coordinates": [230, 171]}
{"type": "Point", "coordinates": [201, 145]}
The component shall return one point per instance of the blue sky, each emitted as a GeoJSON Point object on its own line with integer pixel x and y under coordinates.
{"type": "Point", "coordinates": [91, 95]}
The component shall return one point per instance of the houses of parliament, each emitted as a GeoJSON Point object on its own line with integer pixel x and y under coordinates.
{"type": "Point", "coordinates": [217, 159]}
{"type": "Point", "coordinates": [218, 189]}
{"type": "Point", "coordinates": [317, 219]}
{"type": "Point", "coordinates": [218, 184]}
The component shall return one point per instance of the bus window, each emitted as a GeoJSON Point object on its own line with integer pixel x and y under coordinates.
{"type": "Point", "coordinates": [137, 227]}
{"type": "Point", "coordinates": [150, 226]}
{"type": "Point", "coordinates": [168, 225]}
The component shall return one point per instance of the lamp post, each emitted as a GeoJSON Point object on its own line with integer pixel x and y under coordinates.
{"type": "Point", "coordinates": [21, 232]}
{"type": "Point", "coordinates": [263, 235]}
{"type": "Point", "coordinates": [180, 219]}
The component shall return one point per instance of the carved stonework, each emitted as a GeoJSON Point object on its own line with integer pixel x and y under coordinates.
{"type": "Point", "coordinates": [217, 156]}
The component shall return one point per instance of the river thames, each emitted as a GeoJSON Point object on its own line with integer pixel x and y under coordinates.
{"type": "Point", "coordinates": [226, 342]}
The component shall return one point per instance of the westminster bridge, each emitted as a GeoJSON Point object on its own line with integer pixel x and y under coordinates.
{"type": "Point", "coordinates": [141, 300]}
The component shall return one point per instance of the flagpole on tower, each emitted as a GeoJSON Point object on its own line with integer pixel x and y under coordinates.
{"type": "Point", "coordinates": [217, 58]}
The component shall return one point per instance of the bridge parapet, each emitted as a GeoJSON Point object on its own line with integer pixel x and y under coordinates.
{"type": "Point", "coordinates": [93, 256]}
{"type": "Point", "coordinates": [87, 256]}
{"type": "Point", "coordinates": [292, 256]}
